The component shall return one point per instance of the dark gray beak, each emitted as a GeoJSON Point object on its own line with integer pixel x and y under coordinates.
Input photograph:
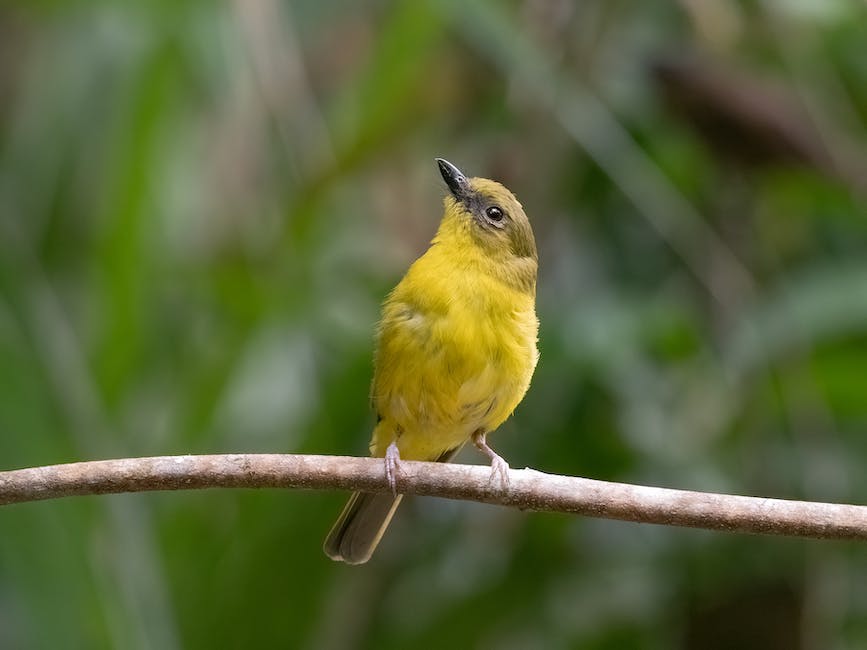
{"type": "Point", "coordinates": [454, 178]}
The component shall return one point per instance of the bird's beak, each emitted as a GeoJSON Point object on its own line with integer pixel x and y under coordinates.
{"type": "Point", "coordinates": [454, 178]}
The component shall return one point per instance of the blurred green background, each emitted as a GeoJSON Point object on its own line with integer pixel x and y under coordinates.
{"type": "Point", "coordinates": [203, 203]}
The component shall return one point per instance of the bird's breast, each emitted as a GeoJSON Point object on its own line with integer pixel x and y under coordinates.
{"type": "Point", "coordinates": [447, 367]}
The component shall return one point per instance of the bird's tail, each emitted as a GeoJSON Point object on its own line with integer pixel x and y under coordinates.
{"type": "Point", "coordinates": [360, 526]}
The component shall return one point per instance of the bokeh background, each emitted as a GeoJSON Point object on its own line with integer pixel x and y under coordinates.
{"type": "Point", "coordinates": [203, 203]}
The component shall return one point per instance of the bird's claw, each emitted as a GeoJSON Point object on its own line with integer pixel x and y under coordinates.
{"type": "Point", "coordinates": [392, 462]}
{"type": "Point", "coordinates": [499, 466]}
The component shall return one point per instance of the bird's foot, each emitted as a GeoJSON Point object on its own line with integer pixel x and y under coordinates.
{"type": "Point", "coordinates": [499, 466]}
{"type": "Point", "coordinates": [392, 466]}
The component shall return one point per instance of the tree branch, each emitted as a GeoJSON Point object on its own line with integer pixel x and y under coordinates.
{"type": "Point", "coordinates": [528, 489]}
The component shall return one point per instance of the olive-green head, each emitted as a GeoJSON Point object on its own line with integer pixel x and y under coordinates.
{"type": "Point", "coordinates": [498, 222]}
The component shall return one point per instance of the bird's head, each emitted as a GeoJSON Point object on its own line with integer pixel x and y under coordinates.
{"type": "Point", "coordinates": [497, 222]}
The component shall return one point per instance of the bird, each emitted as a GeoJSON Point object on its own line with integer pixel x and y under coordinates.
{"type": "Point", "coordinates": [456, 348]}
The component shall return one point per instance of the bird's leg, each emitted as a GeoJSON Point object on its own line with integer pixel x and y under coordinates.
{"type": "Point", "coordinates": [392, 460]}
{"type": "Point", "coordinates": [498, 464]}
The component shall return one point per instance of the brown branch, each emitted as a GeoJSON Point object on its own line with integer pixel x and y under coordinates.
{"type": "Point", "coordinates": [528, 489]}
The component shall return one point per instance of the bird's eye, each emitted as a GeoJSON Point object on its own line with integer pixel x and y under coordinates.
{"type": "Point", "coordinates": [494, 213]}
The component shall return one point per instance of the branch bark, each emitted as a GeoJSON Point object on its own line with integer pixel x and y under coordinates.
{"type": "Point", "coordinates": [527, 490]}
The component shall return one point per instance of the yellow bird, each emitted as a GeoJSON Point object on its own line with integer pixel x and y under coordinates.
{"type": "Point", "coordinates": [456, 348]}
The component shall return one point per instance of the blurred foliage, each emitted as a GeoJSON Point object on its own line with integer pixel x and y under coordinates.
{"type": "Point", "coordinates": [202, 204]}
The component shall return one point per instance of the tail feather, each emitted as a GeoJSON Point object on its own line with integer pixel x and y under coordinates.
{"type": "Point", "coordinates": [357, 531]}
